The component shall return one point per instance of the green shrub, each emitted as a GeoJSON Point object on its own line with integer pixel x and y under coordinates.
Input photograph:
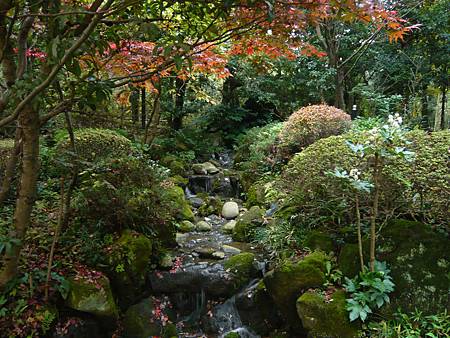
{"type": "Point", "coordinates": [255, 152]}
{"type": "Point", "coordinates": [310, 124]}
{"type": "Point", "coordinates": [412, 189]}
{"type": "Point", "coordinates": [6, 146]}
{"type": "Point", "coordinates": [126, 193]}
{"type": "Point", "coordinates": [94, 144]}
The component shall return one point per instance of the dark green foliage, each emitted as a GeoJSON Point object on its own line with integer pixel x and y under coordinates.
{"type": "Point", "coordinates": [415, 325]}
{"type": "Point", "coordinates": [256, 152]}
{"type": "Point", "coordinates": [6, 146]}
{"type": "Point", "coordinates": [126, 193]}
{"type": "Point", "coordinates": [417, 188]}
{"type": "Point", "coordinates": [368, 291]}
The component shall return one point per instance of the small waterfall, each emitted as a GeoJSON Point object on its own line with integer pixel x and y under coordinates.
{"type": "Point", "coordinates": [188, 193]}
{"type": "Point", "coordinates": [227, 320]}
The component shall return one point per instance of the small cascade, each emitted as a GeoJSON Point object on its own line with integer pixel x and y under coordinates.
{"type": "Point", "coordinates": [226, 319]}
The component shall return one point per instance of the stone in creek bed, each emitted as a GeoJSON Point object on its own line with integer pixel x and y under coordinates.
{"type": "Point", "coordinates": [230, 210]}
{"type": "Point", "coordinates": [203, 226]}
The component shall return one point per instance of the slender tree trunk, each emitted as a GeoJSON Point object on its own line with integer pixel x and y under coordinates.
{"type": "Point", "coordinates": [29, 125]}
{"type": "Point", "coordinates": [134, 103]}
{"type": "Point", "coordinates": [358, 226]}
{"type": "Point", "coordinates": [177, 120]}
{"type": "Point", "coordinates": [374, 216]}
{"type": "Point", "coordinates": [340, 89]}
{"type": "Point", "coordinates": [55, 240]}
{"type": "Point", "coordinates": [10, 168]}
{"type": "Point", "coordinates": [443, 103]}
{"type": "Point", "coordinates": [153, 124]}
{"type": "Point", "coordinates": [143, 109]}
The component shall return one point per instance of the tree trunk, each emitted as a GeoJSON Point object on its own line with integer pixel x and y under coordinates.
{"type": "Point", "coordinates": [177, 120]}
{"type": "Point", "coordinates": [340, 89]}
{"type": "Point", "coordinates": [10, 168]}
{"type": "Point", "coordinates": [29, 125]}
{"type": "Point", "coordinates": [143, 109]}
{"type": "Point", "coordinates": [134, 103]}
{"type": "Point", "coordinates": [374, 216]}
{"type": "Point", "coordinates": [443, 104]}
{"type": "Point", "coordinates": [358, 226]}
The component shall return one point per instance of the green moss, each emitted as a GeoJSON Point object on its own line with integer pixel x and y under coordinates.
{"type": "Point", "coordinates": [286, 282]}
{"type": "Point", "coordinates": [129, 262]}
{"type": "Point", "coordinates": [176, 195]}
{"type": "Point", "coordinates": [319, 240]}
{"type": "Point", "coordinates": [176, 165]}
{"type": "Point", "coordinates": [241, 265]}
{"type": "Point", "coordinates": [94, 144]}
{"type": "Point", "coordinates": [232, 335]}
{"type": "Point", "coordinates": [256, 195]}
{"type": "Point", "coordinates": [179, 180]}
{"type": "Point", "coordinates": [92, 296]}
{"type": "Point", "coordinates": [325, 319]}
{"type": "Point", "coordinates": [186, 226]}
{"type": "Point", "coordinates": [138, 321]}
{"type": "Point", "coordinates": [419, 259]}
{"type": "Point", "coordinates": [247, 223]}
{"type": "Point", "coordinates": [212, 206]}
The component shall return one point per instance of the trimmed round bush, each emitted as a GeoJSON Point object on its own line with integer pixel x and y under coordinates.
{"type": "Point", "coordinates": [310, 124]}
{"type": "Point", "coordinates": [94, 144]}
{"type": "Point", "coordinates": [419, 189]}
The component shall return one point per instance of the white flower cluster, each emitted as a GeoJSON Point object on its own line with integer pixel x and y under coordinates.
{"type": "Point", "coordinates": [395, 120]}
{"type": "Point", "coordinates": [354, 174]}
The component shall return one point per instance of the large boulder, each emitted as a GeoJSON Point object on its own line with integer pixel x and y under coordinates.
{"type": "Point", "coordinates": [419, 261]}
{"type": "Point", "coordinates": [319, 240]}
{"type": "Point", "coordinates": [290, 279]}
{"type": "Point", "coordinates": [257, 309]}
{"type": "Point", "coordinates": [176, 195]}
{"type": "Point", "coordinates": [205, 168]}
{"type": "Point", "coordinates": [230, 210]}
{"type": "Point", "coordinates": [212, 206]}
{"type": "Point", "coordinates": [247, 223]}
{"type": "Point", "coordinates": [92, 294]}
{"type": "Point", "coordinates": [149, 318]}
{"type": "Point", "coordinates": [242, 266]}
{"type": "Point", "coordinates": [325, 317]}
{"type": "Point", "coordinates": [128, 260]}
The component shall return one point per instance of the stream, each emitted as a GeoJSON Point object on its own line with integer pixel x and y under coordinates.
{"type": "Point", "coordinates": [198, 287]}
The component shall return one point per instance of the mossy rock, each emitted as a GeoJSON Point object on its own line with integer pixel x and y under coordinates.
{"type": "Point", "coordinates": [186, 226]}
{"type": "Point", "coordinates": [319, 240]}
{"type": "Point", "coordinates": [212, 206]}
{"type": "Point", "coordinates": [180, 181]}
{"type": "Point", "coordinates": [257, 309]}
{"type": "Point", "coordinates": [242, 266]}
{"type": "Point", "coordinates": [287, 282]}
{"type": "Point", "coordinates": [419, 260]}
{"type": "Point", "coordinates": [92, 295]}
{"type": "Point", "coordinates": [128, 263]}
{"type": "Point", "coordinates": [247, 223]}
{"type": "Point", "coordinates": [140, 322]}
{"type": "Point", "coordinates": [232, 335]}
{"type": "Point", "coordinates": [175, 164]}
{"type": "Point", "coordinates": [176, 196]}
{"type": "Point", "coordinates": [325, 318]}
{"type": "Point", "coordinates": [256, 195]}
